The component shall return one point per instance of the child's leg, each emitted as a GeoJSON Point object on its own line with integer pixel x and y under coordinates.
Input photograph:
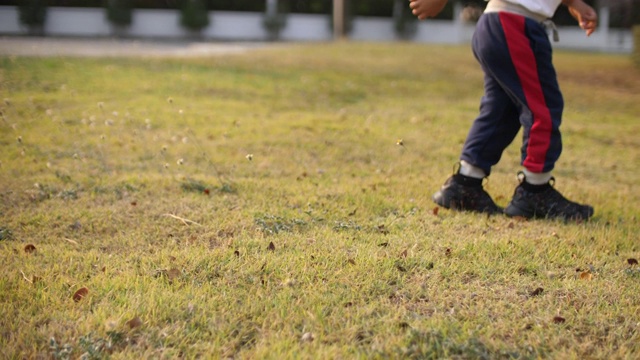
{"type": "Point", "coordinates": [493, 130]}
{"type": "Point", "coordinates": [516, 52]}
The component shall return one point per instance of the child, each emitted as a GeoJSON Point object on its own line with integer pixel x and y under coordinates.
{"type": "Point", "coordinates": [512, 46]}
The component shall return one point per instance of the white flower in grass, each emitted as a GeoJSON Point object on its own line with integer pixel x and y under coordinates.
{"type": "Point", "coordinates": [166, 165]}
{"type": "Point", "coordinates": [180, 161]}
{"type": "Point", "coordinates": [249, 157]}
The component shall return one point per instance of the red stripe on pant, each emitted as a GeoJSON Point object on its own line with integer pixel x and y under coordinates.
{"type": "Point", "coordinates": [526, 67]}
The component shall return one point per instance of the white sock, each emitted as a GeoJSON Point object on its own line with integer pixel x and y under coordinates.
{"type": "Point", "coordinates": [536, 178]}
{"type": "Point", "coordinates": [469, 170]}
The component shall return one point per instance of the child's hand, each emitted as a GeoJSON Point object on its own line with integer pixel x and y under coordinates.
{"type": "Point", "coordinates": [426, 8]}
{"type": "Point", "coordinates": [586, 16]}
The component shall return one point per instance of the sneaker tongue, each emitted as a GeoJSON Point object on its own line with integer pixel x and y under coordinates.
{"type": "Point", "coordinates": [467, 180]}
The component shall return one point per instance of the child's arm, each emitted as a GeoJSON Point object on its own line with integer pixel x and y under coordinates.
{"type": "Point", "coordinates": [586, 16]}
{"type": "Point", "coordinates": [426, 8]}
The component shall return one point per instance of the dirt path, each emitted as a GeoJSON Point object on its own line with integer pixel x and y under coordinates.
{"type": "Point", "coordinates": [43, 46]}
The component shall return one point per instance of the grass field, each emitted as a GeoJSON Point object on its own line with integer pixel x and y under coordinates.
{"type": "Point", "coordinates": [277, 204]}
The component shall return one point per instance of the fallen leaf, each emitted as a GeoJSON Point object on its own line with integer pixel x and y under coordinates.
{"type": "Point", "coordinates": [536, 292]}
{"type": "Point", "coordinates": [271, 246]}
{"type": "Point", "coordinates": [351, 261]}
{"type": "Point", "coordinates": [134, 323]}
{"type": "Point", "coordinates": [586, 275]}
{"type": "Point", "coordinates": [558, 320]}
{"type": "Point", "coordinates": [29, 248]}
{"type": "Point", "coordinates": [104, 268]}
{"type": "Point", "coordinates": [435, 211]}
{"type": "Point", "coordinates": [403, 254]}
{"type": "Point", "coordinates": [632, 261]}
{"type": "Point", "coordinates": [80, 294]}
{"type": "Point", "coordinates": [134, 203]}
{"type": "Point", "coordinates": [173, 273]}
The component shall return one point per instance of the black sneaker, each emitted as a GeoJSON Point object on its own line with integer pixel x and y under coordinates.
{"type": "Point", "coordinates": [465, 193]}
{"type": "Point", "coordinates": [545, 201]}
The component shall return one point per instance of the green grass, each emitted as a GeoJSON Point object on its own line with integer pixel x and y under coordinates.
{"type": "Point", "coordinates": [259, 206]}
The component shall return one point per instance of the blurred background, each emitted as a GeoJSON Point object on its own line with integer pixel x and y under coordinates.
{"type": "Point", "coordinates": [290, 20]}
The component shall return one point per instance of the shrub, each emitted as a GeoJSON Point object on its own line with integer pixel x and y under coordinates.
{"type": "Point", "coordinates": [119, 12]}
{"type": "Point", "coordinates": [194, 15]}
{"type": "Point", "coordinates": [33, 13]}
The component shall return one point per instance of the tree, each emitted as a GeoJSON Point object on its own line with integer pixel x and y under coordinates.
{"type": "Point", "coordinates": [33, 14]}
{"type": "Point", "coordinates": [194, 15]}
{"type": "Point", "coordinates": [120, 14]}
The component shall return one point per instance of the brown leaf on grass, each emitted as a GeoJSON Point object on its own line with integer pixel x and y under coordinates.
{"type": "Point", "coordinates": [586, 275]}
{"type": "Point", "coordinates": [207, 191]}
{"type": "Point", "coordinates": [382, 229]}
{"type": "Point", "coordinates": [435, 211]}
{"type": "Point", "coordinates": [351, 261]}
{"type": "Point", "coordinates": [134, 323]}
{"type": "Point", "coordinates": [29, 248]}
{"type": "Point", "coordinates": [353, 212]}
{"type": "Point", "coordinates": [632, 261]}
{"type": "Point", "coordinates": [80, 294]}
{"type": "Point", "coordinates": [403, 254]}
{"type": "Point", "coordinates": [173, 273]}
{"type": "Point", "coordinates": [559, 320]}
{"type": "Point", "coordinates": [536, 292]}
{"type": "Point", "coordinates": [271, 246]}
{"type": "Point", "coordinates": [134, 203]}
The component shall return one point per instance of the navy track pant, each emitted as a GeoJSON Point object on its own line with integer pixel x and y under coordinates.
{"type": "Point", "coordinates": [521, 89]}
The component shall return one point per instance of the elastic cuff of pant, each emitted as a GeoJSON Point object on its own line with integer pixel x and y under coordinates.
{"type": "Point", "coordinates": [536, 178]}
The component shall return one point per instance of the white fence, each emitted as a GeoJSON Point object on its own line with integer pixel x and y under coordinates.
{"type": "Point", "coordinates": [244, 26]}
